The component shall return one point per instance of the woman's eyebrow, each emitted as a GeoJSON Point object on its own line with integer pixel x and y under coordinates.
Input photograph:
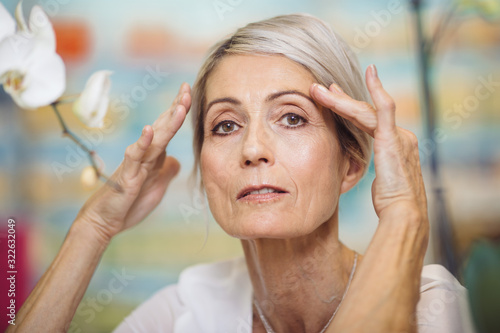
{"type": "Point", "coordinates": [223, 100]}
{"type": "Point", "coordinates": [289, 92]}
{"type": "Point", "coordinates": [268, 99]}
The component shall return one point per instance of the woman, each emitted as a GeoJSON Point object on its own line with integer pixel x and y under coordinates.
{"type": "Point", "coordinates": [275, 150]}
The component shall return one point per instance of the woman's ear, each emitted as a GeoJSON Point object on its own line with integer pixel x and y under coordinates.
{"type": "Point", "coordinates": [352, 176]}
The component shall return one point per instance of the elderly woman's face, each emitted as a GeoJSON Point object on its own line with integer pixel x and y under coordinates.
{"type": "Point", "coordinates": [270, 161]}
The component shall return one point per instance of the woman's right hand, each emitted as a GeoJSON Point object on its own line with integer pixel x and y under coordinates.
{"type": "Point", "coordinates": [142, 178]}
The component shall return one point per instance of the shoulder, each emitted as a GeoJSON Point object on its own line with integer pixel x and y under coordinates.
{"type": "Point", "coordinates": [443, 305]}
{"type": "Point", "coordinates": [204, 292]}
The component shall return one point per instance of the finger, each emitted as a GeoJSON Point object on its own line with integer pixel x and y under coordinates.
{"type": "Point", "coordinates": [169, 123]}
{"type": "Point", "coordinates": [183, 98]}
{"type": "Point", "coordinates": [386, 109]}
{"type": "Point", "coordinates": [180, 98]}
{"type": "Point", "coordinates": [159, 161]}
{"type": "Point", "coordinates": [185, 88]}
{"type": "Point", "coordinates": [135, 152]}
{"type": "Point", "coordinates": [169, 170]}
{"type": "Point", "coordinates": [360, 113]}
{"type": "Point", "coordinates": [165, 134]}
{"type": "Point", "coordinates": [166, 170]}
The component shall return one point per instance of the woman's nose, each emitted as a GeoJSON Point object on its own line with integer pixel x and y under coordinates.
{"type": "Point", "coordinates": [257, 147]}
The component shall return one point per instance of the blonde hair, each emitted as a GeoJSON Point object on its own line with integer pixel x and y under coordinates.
{"type": "Point", "coordinates": [308, 41]}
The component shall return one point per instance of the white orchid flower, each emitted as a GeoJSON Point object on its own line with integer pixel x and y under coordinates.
{"type": "Point", "coordinates": [7, 24]}
{"type": "Point", "coordinates": [30, 69]}
{"type": "Point", "coordinates": [92, 105]}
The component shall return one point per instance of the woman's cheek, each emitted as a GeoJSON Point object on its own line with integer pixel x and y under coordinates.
{"type": "Point", "coordinates": [216, 175]}
{"type": "Point", "coordinates": [299, 150]}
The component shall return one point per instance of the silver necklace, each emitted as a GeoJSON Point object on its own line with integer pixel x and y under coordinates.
{"type": "Point", "coordinates": [268, 327]}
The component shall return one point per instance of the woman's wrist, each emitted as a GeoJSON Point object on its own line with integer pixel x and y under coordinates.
{"type": "Point", "coordinates": [404, 212]}
{"type": "Point", "coordinates": [92, 232]}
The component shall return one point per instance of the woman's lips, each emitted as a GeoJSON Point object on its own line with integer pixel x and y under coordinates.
{"type": "Point", "coordinates": [262, 193]}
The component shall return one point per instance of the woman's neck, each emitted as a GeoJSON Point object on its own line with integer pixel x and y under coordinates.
{"type": "Point", "coordinates": [299, 282]}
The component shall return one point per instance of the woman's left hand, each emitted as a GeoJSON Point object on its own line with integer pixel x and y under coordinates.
{"type": "Point", "coordinates": [398, 187]}
{"type": "Point", "coordinates": [385, 289]}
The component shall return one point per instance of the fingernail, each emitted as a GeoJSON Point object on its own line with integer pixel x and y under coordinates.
{"type": "Point", "coordinates": [321, 88]}
{"type": "Point", "coordinates": [144, 130]}
{"type": "Point", "coordinates": [373, 70]}
{"type": "Point", "coordinates": [336, 88]}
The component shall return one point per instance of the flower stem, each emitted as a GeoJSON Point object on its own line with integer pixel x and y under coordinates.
{"type": "Point", "coordinates": [90, 153]}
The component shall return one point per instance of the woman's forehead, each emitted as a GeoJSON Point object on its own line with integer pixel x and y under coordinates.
{"type": "Point", "coordinates": [256, 76]}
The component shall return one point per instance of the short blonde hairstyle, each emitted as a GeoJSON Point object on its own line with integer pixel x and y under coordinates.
{"type": "Point", "coordinates": [308, 41]}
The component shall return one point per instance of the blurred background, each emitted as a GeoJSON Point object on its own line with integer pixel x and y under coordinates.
{"type": "Point", "coordinates": [40, 170]}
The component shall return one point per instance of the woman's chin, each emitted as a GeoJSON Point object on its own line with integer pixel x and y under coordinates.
{"type": "Point", "coordinates": [276, 228]}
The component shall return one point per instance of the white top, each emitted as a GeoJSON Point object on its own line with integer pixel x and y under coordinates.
{"type": "Point", "coordinates": [217, 298]}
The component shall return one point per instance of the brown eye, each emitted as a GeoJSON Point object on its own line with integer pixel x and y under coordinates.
{"type": "Point", "coordinates": [225, 128]}
{"type": "Point", "coordinates": [292, 120]}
